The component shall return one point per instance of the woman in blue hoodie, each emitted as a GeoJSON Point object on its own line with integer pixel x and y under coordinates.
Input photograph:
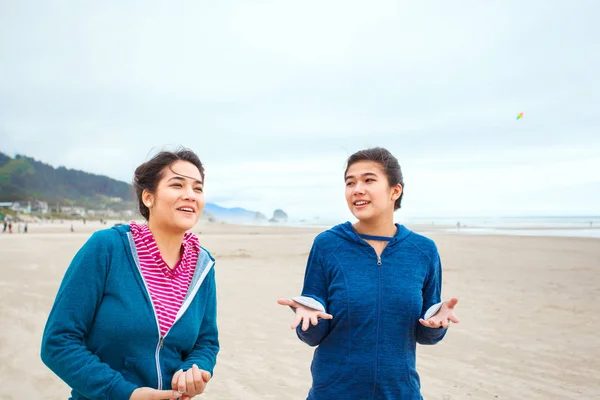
{"type": "Point", "coordinates": [371, 293]}
{"type": "Point", "coordinates": [135, 314]}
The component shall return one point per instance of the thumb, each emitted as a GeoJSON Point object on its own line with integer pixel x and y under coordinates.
{"type": "Point", "coordinates": [286, 302]}
{"type": "Point", "coordinates": [452, 302]}
{"type": "Point", "coordinates": [206, 376]}
{"type": "Point", "coordinates": [165, 394]}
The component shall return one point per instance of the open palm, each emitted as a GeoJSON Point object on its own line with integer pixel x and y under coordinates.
{"type": "Point", "coordinates": [304, 315]}
{"type": "Point", "coordinates": [444, 316]}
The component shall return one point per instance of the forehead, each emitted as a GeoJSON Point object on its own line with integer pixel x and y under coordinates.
{"type": "Point", "coordinates": [182, 168]}
{"type": "Point", "coordinates": [363, 167]}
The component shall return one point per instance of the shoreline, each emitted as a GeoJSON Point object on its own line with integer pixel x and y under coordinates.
{"type": "Point", "coordinates": [55, 227]}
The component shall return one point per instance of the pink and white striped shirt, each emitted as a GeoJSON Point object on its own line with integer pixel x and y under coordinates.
{"type": "Point", "coordinates": [167, 286]}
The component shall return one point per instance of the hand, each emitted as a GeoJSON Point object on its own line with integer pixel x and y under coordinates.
{"type": "Point", "coordinates": [443, 317]}
{"type": "Point", "coordinates": [146, 393]}
{"type": "Point", "coordinates": [304, 314]}
{"type": "Point", "coordinates": [191, 382]}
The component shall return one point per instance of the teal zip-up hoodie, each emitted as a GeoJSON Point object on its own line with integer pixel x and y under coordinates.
{"type": "Point", "coordinates": [368, 350]}
{"type": "Point", "coordinates": [102, 336]}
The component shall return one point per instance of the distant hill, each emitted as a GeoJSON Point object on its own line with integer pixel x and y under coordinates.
{"type": "Point", "coordinates": [24, 179]}
{"type": "Point", "coordinates": [231, 214]}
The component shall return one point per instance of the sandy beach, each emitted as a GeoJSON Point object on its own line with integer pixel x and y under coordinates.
{"type": "Point", "coordinates": [528, 308]}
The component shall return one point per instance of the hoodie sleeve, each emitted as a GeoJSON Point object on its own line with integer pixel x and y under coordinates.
{"type": "Point", "coordinates": [431, 296]}
{"type": "Point", "coordinates": [205, 351]}
{"type": "Point", "coordinates": [315, 287]}
{"type": "Point", "coordinates": [63, 349]}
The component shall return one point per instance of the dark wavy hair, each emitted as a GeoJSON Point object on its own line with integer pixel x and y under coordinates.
{"type": "Point", "coordinates": [147, 175]}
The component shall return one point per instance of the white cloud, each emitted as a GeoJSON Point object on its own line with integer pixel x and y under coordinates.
{"type": "Point", "coordinates": [275, 95]}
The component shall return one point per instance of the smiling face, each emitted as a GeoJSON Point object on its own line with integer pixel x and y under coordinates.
{"type": "Point", "coordinates": [178, 200]}
{"type": "Point", "coordinates": [368, 192]}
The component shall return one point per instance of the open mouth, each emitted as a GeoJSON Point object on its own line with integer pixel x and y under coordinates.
{"type": "Point", "coordinates": [189, 210]}
{"type": "Point", "coordinates": [360, 203]}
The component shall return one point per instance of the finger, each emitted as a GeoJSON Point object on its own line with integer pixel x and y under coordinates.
{"type": "Point", "coordinates": [305, 323]}
{"type": "Point", "coordinates": [432, 323]}
{"type": "Point", "coordinates": [197, 371]}
{"type": "Point", "coordinates": [164, 394]}
{"type": "Point", "coordinates": [325, 315]}
{"type": "Point", "coordinates": [452, 302]}
{"type": "Point", "coordinates": [206, 376]}
{"type": "Point", "coordinates": [190, 385]}
{"type": "Point", "coordinates": [423, 322]}
{"type": "Point", "coordinates": [454, 319]}
{"type": "Point", "coordinates": [287, 302]}
{"type": "Point", "coordinates": [175, 379]}
{"type": "Point", "coordinates": [199, 381]}
{"type": "Point", "coordinates": [181, 383]}
{"type": "Point", "coordinates": [314, 320]}
{"type": "Point", "coordinates": [296, 321]}
{"type": "Point", "coordinates": [444, 324]}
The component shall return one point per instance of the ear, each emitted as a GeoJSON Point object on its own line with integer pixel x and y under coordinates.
{"type": "Point", "coordinates": [147, 198]}
{"type": "Point", "coordinates": [396, 192]}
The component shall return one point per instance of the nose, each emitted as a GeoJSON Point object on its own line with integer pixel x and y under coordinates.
{"type": "Point", "coordinates": [358, 188]}
{"type": "Point", "coordinates": [188, 193]}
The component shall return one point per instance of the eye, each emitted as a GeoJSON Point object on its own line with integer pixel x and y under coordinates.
{"type": "Point", "coordinates": [370, 180]}
{"type": "Point", "coordinates": [349, 183]}
{"type": "Point", "coordinates": [199, 190]}
{"type": "Point", "coordinates": [178, 185]}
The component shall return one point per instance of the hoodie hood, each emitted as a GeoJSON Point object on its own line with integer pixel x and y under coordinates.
{"type": "Point", "coordinates": [347, 232]}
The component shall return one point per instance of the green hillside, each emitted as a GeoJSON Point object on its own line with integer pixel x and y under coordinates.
{"type": "Point", "coordinates": [23, 179]}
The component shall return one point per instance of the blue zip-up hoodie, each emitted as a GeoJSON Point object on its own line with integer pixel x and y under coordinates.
{"type": "Point", "coordinates": [102, 336]}
{"type": "Point", "coordinates": [368, 350]}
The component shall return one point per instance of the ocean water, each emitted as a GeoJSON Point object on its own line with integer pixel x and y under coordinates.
{"type": "Point", "coordinates": [589, 233]}
{"type": "Point", "coordinates": [573, 222]}
{"type": "Point", "coordinates": [570, 226]}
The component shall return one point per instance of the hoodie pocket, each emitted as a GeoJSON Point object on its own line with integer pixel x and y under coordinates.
{"type": "Point", "coordinates": [329, 366]}
{"type": "Point", "coordinates": [138, 371]}
{"type": "Point", "coordinates": [412, 377]}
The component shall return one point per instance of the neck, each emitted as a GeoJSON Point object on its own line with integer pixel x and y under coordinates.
{"type": "Point", "coordinates": [377, 227]}
{"type": "Point", "coordinates": [168, 243]}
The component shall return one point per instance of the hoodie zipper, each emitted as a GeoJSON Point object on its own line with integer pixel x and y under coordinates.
{"type": "Point", "coordinates": [376, 365]}
{"type": "Point", "coordinates": [161, 338]}
{"type": "Point", "coordinates": [379, 263]}
{"type": "Point", "coordinates": [157, 358]}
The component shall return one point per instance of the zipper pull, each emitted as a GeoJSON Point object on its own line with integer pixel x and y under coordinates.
{"type": "Point", "coordinates": [160, 343]}
{"type": "Point", "coordinates": [378, 260]}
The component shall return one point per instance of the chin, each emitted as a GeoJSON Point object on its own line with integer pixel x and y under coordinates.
{"type": "Point", "coordinates": [185, 226]}
{"type": "Point", "coordinates": [362, 216]}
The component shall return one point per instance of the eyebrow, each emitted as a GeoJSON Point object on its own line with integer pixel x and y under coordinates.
{"type": "Point", "coordinates": [362, 175]}
{"type": "Point", "coordinates": [182, 178]}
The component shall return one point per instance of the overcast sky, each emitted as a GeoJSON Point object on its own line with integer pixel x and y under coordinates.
{"type": "Point", "coordinates": [275, 95]}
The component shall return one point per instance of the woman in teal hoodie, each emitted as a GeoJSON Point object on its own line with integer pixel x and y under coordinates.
{"type": "Point", "coordinates": [371, 293]}
{"type": "Point", "coordinates": [135, 314]}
